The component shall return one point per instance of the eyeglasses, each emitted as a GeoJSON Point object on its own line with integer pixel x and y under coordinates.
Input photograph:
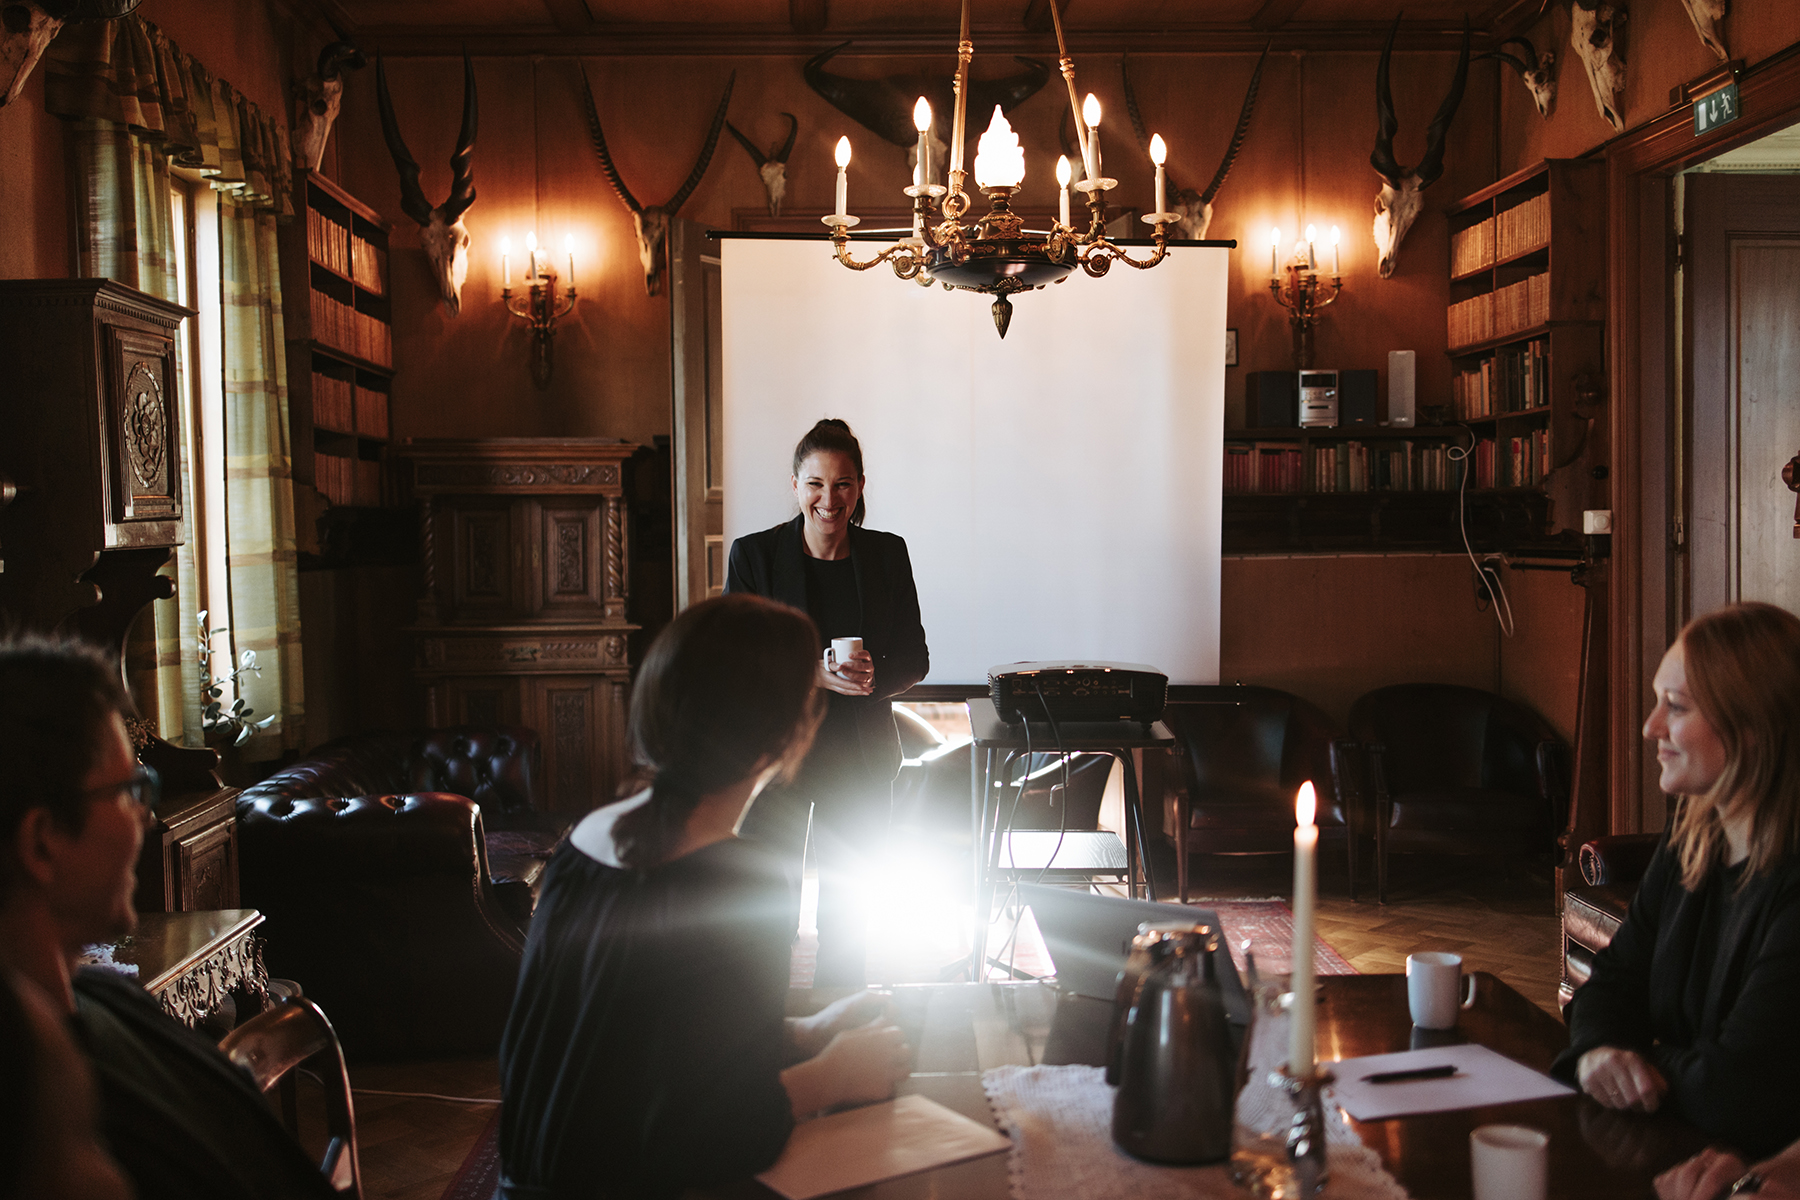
{"type": "Point", "coordinates": [144, 786]}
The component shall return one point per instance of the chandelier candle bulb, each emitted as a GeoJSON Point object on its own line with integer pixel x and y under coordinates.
{"type": "Point", "coordinates": [1090, 116]}
{"type": "Point", "coordinates": [922, 123]}
{"type": "Point", "coordinates": [999, 159]}
{"type": "Point", "coordinates": [1063, 174]}
{"type": "Point", "coordinates": [1158, 153]}
{"type": "Point", "coordinates": [843, 179]}
{"type": "Point", "coordinates": [1306, 844]}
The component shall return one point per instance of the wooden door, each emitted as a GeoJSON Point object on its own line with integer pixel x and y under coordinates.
{"type": "Point", "coordinates": [699, 415]}
{"type": "Point", "coordinates": [1742, 297]}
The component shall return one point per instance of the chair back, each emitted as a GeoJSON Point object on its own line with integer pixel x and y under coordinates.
{"type": "Point", "coordinates": [1443, 737]}
{"type": "Point", "coordinates": [1244, 744]}
{"type": "Point", "coordinates": [292, 1032]}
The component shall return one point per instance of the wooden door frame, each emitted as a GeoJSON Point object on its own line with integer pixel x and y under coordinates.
{"type": "Point", "coordinates": [1640, 331]}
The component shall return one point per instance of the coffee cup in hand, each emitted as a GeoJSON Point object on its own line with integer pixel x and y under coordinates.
{"type": "Point", "coordinates": [841, 651]}
{"type": "Point", "coordinates": [1433, 983]}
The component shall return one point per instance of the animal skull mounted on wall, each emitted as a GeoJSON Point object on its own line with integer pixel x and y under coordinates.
{"type": "Point", "coordinates": [1196, 208]}
{"type": "Point", "coordinates": [442, 234]}
{"type": "Point", "coordinates": [1595, 36]}
{"type": "Point", "coordinates": [652, 224]}
{"type": "Point", "coordinates": [317, 98]}
{"type": "Point", "coordinates": [1401, 198]}
{"type": "Point", "coordinates": [1535, 72]}
{"type": "Point", "coordinates": [1706, 15]}
{"type": "Point", "coordinates": [28, 27]}
{"type": "Point", "coordinates": [773, 165]}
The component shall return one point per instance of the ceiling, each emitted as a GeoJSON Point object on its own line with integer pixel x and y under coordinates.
{"type": "Point", "coordinates": [748, 27]}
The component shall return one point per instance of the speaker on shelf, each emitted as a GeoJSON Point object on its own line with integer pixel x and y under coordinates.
{"type": "Point", "coordinates": [1401, 364]}
{"type": "Point", "coordinates": [1272, 400]}
{"type": "Point", "coordinates": [1356, 397]}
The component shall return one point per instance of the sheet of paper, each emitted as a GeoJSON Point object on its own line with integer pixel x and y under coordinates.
{"type": "Point", "coordinates": [1482, 1078]}
{"type": "Point", "coordinates": [882, 1141]}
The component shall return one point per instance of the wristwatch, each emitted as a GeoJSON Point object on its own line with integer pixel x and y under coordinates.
{"type": "Point", "coordinates": [1747, 1184]}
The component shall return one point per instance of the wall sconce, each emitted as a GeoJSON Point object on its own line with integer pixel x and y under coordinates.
{"type": "Point", "coordinates": [1299, 289]}
{"type": "Point", "coordinates": [540, 304]}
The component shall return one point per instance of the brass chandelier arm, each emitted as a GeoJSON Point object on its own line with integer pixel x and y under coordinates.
{"type": "Point", "coordinates": [904, 259]}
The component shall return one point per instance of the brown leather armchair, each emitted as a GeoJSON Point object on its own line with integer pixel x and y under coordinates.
{"type": "Point", "coordinates": [1241, 754]}
{"type": "Point", "coordinates": [385, 895]}
{"type": "Point", "coordinates": [1611, 868]}
{"type": "Point", "coordinates": [1458, 770]}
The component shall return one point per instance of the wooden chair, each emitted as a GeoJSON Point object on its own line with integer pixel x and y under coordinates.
{"type": "Point", "coordinates": [277, 1041]}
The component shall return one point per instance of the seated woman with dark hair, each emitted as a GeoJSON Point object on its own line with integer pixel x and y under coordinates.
{"type": "Point", "coordinates": [647, 1051]}
{"type": "Point", "coordinates": [1693, 1003]}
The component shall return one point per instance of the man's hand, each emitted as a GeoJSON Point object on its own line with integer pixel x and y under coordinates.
{"type": "Point", "coordinates": [810, 1034]}
{"type": "Point", "coordinates": [1621, 1079]}
{"type": "Point", "coordinates": [854, 676]}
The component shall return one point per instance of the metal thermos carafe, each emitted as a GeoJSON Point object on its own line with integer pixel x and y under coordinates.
{"type": "Point", "coordinates": [1176, 1063]}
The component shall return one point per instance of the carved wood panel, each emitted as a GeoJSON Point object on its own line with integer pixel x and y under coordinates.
{"type": "Point", "coordinates": [570, 533]}
{"type": "Point", "coordinates": [208, 875]}
{"type": "Point", "coordinates": [144, 428]}
{"type": "Point", "coordinates": [482, 575]}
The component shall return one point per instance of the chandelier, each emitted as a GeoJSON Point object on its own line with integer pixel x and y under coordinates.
{"type": "Point", "coordinates": [995, 254]}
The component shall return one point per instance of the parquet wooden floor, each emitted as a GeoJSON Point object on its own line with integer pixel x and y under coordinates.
{"type": "Point", "coordinates": [1497, 916]}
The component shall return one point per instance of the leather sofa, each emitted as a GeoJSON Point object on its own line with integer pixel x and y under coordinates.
{"type": "Point", "coordinates": [396, 873]}
{"type": "Point", "coordinates": [1592, 912]}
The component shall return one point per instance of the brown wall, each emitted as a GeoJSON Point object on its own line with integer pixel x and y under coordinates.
{"type": "Point", "coordinates": [32, 191]}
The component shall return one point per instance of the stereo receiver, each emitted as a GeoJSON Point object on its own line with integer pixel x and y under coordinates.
{"type": "Point", "coordinates": [1078, 691]}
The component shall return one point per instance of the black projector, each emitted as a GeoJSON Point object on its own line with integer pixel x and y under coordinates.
{"type": "Point", "coordinates": [1078, 691]}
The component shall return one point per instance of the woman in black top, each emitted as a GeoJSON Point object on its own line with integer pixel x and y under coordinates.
{"type": "Point", "coordinates": [646, 1052]}
{"type": "Point", "coordinates": [855, 582]}
{"type": "Point", "coordinates": [1693, 1004]}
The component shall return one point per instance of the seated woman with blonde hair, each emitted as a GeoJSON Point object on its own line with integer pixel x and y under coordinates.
{"type": "Point", "coordinates": [1693, 1005]}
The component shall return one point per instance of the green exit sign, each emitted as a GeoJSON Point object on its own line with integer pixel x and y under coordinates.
{"type": "Point", "coordinates": [1719, 108]}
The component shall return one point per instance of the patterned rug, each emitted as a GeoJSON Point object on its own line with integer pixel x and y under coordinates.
{"type": "Point", "coordinates": [479, 1176]}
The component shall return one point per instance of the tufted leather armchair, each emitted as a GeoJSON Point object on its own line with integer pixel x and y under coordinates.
{"type": "Point", "coordinates": [1592, 913]}
{"type": "Point", "coordinates": [1458, 770]}
{"type": "Point", "coordinates": [396, 873]}
{"type": "Point", "coordinates": [1241, 754]}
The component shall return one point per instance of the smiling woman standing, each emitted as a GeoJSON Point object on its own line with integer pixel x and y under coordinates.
{"type": "Point", "coordinates": [853, 582]}
{"type": "Point", "coordinates": [1692, 1005]}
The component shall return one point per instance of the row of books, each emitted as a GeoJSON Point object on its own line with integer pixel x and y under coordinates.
{"type": "Point", "coordinates": [1517, 230]}
{"type": "Point", "coordinates": [1253, 468]}
{"type": "Point", "coordinates": [347, 480]}
{"type": "Point", "coordinates": [1512, 379]}
{"type": "Point", "coordinates": [331, 243]}
{"type": "Point", "coordinates": [1526, 463]}
{"type": "Point", "coordinates": [342, 327]}
{"type": "Point", "coordinates": [341, 405]}
{"type": "Point", "coordinates": [368, 265]}
{"type": "Point", "coordinates": [1517, 306]}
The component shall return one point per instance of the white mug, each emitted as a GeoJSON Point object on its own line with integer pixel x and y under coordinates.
{"type": "Point", "coordinates": [1509, 1162]}
{"type": "Point", "coordinates": [1433, 980]}
{"type": "Point", "coordinates": [841, 650]}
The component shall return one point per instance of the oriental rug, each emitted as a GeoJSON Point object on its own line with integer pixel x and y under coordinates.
{"type": "Point", "coordinates": [479, 1176]}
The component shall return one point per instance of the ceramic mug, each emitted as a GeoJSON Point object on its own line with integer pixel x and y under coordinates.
{"type": "Point", "coordinates": [1509, 1162]}
{"type": "Point", "coordinates": [1433, 981]}
{"type": "Point", "coordinates": [841, 650]}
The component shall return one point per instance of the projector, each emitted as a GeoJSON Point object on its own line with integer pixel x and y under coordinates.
{"type": "Point", "coordinates": [1078, 691]}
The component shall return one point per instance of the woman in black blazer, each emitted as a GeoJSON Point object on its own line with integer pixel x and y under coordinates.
{"type": "Point", "coordinates": [853, 582]}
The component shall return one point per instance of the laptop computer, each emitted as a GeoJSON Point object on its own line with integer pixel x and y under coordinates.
{"type": "Point", "coordinates": [1089, 939]}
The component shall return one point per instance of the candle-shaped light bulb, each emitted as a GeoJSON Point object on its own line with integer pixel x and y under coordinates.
{"type": "Point", "coordinates": [922, 115]}
{"type": "Point", "coordinates": [1306, 843]}
{"type": "Point", "coordinates": [1090, 116]}
{"type": "Point", "coordinates": [1064, 172]}
{"type": "Point", "coordinates": [922, 123]}
{"type": "Point", "coordinates": [1090, 111]}
{"type": "Point", "coordinates": [1159, 153]}
{"type": "Point", "coordinates": [1336, 236]}
{"type": "Point", "coordinates": [569, 245]}
{"type": "Point", "coordinates": [999, 159]}
{"type": "Point", "coordinates": [1312, 235]}
{"type": "Point", "coordinates": [843, 179]}
{"type": "Point", "coordinates": [505, 265]}
{"type": "Point", "coordinates": [1275, 253]}
{"type": "Point", "coordinates": [531, 264]}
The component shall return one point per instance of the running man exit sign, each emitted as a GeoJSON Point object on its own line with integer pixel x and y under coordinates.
{"type": "Point", "coordinates": [1718, 108]}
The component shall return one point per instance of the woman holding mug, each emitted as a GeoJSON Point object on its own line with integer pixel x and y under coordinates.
{"type": "Point", "coordinates": [1692, 1004]}
{"type": "Point", "coordinates": [854, 583]}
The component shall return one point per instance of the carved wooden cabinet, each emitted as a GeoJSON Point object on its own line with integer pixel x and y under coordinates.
{"type": "Point", "coordinates": [189, 861]}
{"type": "Point", "coordinates": [523, 613]}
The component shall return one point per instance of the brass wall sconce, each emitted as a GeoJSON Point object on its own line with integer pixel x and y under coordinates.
{"type": "Point", "coordinates": [1299, 289]}
{"type": "Point", "coordinates": [540, 304]}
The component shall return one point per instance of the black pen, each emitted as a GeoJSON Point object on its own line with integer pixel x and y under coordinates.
{"type": "Point", "coordinates": [1443, 1072]}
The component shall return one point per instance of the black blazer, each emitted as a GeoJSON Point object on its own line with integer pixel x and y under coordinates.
{"type": "Point", "coordinates": [772, 564]}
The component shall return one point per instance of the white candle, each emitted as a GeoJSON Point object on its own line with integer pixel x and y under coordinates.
{"type": "Point", "coordinates": [1274, 254]}
{"type": "Point", "coordinates": [1090, 141]}
{"type": "Point", "coordinates": [1312, 234]}
{"type": "Point", "coordinates": [1336, 268]}
{"type": "Point", "coordinates": [1159, 152]}
{"type": "Point", "coordinates": [1064, 172]}
{"type": "Point", "coordinates": [1306, 842]}
{"type": "Point", "coordinates": [531, 267]}
{"type": "Point", "coordinates": [843, 179]}
{"type": "Point", "coordinates": [569, 242]}
{"type": "Point", "coordinates": [922, 123]}
{"type": "Point", "coordinates": [505, 265]}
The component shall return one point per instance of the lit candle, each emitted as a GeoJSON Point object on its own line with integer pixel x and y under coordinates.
{"type": "Point", "coordinates": [1336, 269]}
{"type": "Point", "coordinates": [1063, 173]}
{"type": "Point", "coordinates": [531, 269]}
{"type": "Point", "coordinates": [1274, 254]}
{"type": "Point", "coordinates": [505, 265]}
{"type": "Point", "coordinates": [1306, 841]}
{"type": "Point", "coordinates": [843, 180]}
{"type": "Point", "coordinates": [1312, 234]}
{"type": "Point", "coordinates": [999, 159]}
{"type": "Point", "coordinates": [569, 242]}
{"type": "Point", "coordinates": [1090, 148]}
{"type": "Point", "coordinates": [922, 123]}
{"type": "Point", "coordinates": [1158, 153]}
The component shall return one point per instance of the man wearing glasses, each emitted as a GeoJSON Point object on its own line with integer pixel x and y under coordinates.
{"type": "Point", "coordinates": [74, 803]}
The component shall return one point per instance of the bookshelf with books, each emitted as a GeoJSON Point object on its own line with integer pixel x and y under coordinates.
{"type": "Point", "coordinates": [340, 342]}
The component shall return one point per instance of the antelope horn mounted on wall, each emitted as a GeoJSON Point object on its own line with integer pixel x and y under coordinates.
{"type": "Point", "coordinates": [773, 165]}
{"type": "Point", "coordinates": [1196, 208]}
{"type": "Point", "coordinates": [1400, 201]}
{"type": "Point", "coordinates": [1706, 15]}
{"type": "Point", "coordinates": [652, 224]}
{"type": "Point", "coordinates": [1533, 70]}
{"type": "Point", "coordinates": [30, 26]}
{"type": "Point", "coordinates": [318, 98]}
{"type": "Point", "coordinates": [885, 106]}
{"type": "Point", "coordinates": [1594, 35]}
{"type": "Point", "coordinates": [442, 234]}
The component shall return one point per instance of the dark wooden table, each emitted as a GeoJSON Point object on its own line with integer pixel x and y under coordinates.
{"type": "Point", "coordinates": [961, 1030]}
{"type": "Point", "coordinates": [190, 961]}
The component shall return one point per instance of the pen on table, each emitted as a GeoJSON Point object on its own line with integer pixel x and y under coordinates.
{"type": "Point", "coordinates": [1443, 1072]}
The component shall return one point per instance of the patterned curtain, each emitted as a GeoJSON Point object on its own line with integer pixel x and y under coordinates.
{"type": "Point", "coordinates": [137, 106]}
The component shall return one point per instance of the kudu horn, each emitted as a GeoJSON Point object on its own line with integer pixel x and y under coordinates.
{"type": "Point", "coordinates": [1399, 202]}
{"type": "Point", "coordinates": [442, 233]}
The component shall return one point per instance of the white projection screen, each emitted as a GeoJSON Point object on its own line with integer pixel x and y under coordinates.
{"type": "Point", "coordinates": [1058, 491]}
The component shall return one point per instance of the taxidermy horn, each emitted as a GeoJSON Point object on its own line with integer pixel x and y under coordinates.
{"type": "Point", "coordinates": [1706, 15]}
{"type": "Point", "coordinates": [1196, 208]}
{"type": "Point", "coordinates": [773, 165]}
{"type": "Point", "coordinates": [318, 98]}
{"type": "Point", "coordinates": [28, 27]}
{"type": "Point", "coordinates": [1535, 72]}
{"type": "Point", "coordinates": [1400, 200]}
{"type": "Point", "coordinates": [442, 234]}
{"type": "Point", "coordinates": [1594, 32]}
{"type": "Point", "coordinates": [652, 224]}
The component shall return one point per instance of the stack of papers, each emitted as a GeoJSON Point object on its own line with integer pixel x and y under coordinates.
{"type": "Point", "coordinates": [882, 1141]}
{"type": "Point", "coordinates": [1483, 1078]}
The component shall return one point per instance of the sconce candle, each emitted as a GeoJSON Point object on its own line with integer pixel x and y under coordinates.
{"type": "Point", "coordinates": [505, 265]}
{"type": "Point", "coordinates": [1090, 149]}
{"type": "Point", "coordinates": [1335, 267]}
{"type": "Point", "coordinates": [531, 263]}
{"type": "Point", "coordinates": [1158, 153]}
{"type": "Point", "coordinates": [1274, 254]}
{"type": "Point", "coordinates": [1306, 843]}
{"type": "Point", "coordinates": [1064, 173]}
{"type": "Point", "coordinates": [843, 179]}
{"type": "Point", "coordinates": [1312, 234]}
{"type": "Point", "coordinates": [569, 243]}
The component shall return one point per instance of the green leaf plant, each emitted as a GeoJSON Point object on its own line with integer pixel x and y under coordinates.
{"type": "Point", "coordinates": [235, 721]}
